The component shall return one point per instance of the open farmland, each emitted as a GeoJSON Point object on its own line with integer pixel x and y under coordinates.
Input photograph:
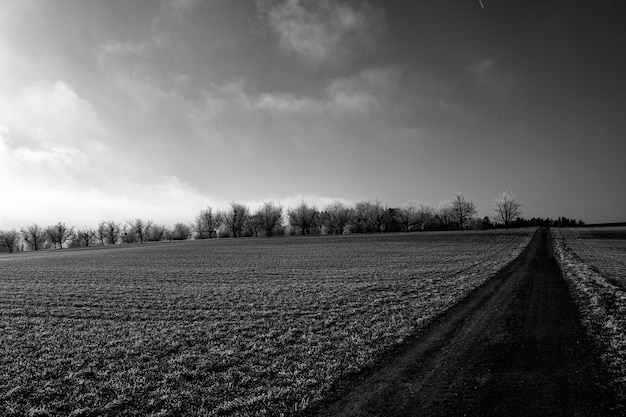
{"type": "Point", "coordinates": [603, 248]}
{"type": "Point", "coordinates": [593, 261]}
{"type": "Point", "coordinates": [222, 327]}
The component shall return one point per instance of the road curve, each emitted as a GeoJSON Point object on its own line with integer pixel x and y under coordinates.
{"type": "Point", "coordinates": [513, 347]}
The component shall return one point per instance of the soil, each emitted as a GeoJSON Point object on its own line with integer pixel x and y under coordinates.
{"type": "Point", "coordinates": [513, 347]}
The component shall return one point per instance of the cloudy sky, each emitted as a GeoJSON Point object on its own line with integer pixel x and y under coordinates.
{"type": "Point", "coordinates": [119, 109]}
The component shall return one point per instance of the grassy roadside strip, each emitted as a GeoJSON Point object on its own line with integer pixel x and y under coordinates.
{"type": "Point", "coordinates": [602, 310]}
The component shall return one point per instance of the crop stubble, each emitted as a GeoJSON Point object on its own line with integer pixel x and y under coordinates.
{"type": "Point", "coordinates": [593, 261]}
{"type": "Point", "coordinates": [222, 327]}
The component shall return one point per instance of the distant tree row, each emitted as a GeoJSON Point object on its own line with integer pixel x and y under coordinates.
{"type": "Point", "coordinates": [270, 219]}
{"type": "Point", "coordinates": [541, 222]}
{"type": "Point", "coordinates": [364, 217]}
{"type": "Point", "coordinates": [60, 235]}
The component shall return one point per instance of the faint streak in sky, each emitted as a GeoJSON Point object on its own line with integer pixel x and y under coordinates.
{"type": "Point", "coordinates": [481, 4]}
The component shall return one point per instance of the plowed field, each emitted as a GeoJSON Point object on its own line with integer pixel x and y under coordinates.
{"type": "Point", "coordinates": [223, 327]}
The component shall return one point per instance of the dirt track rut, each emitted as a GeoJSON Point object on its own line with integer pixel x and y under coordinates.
{"type": "Point", "coordinates": [513, 347]}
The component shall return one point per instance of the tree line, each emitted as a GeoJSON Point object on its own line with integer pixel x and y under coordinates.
{"type": "Point", "coordinates": [271, 219]}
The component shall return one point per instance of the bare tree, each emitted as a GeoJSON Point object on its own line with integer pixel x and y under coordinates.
{"type": "Point", "coordinates": [50, 235]}
{"type": "Point", "coordinates": [9, 239]}
{"type": "Point", "coordinates": [139, 229]}
{"type": "Point", "coordinates": [425, 216]}
{"type": "Point", "coordinates": [303, 217]}
{"type": "Point", "coordinates": [336, 218]}
{"type": "Point", "coordinates": [408, 217]}
{"type": "Point", "coordinates": [235, 218]}
{"type": "Point", "coordinates": [111, 231]}
{"type": "Point", "coordinates": [462, 210]}
{"type": "Point", "coordinates": [206, 223]}
{"type": "Point", "coordinates": [369, 216]}
{"type": "Point", "coordinates": [269, 217]}
{"type": "Point", "coordinates": [180, 232]}
{"type": "Point", "coordinates": [34, 235]}
{"type": "Point", "coordinates": [506, 208]}
{"type": "Point", "coordinates": [253, 225]}
{"type": "Point", "coordinates": [414, 217]}
{"type": "Point", "coordinates": [127, 234]}
{"type": "Point", "coordinates": [101, 235]}
{"type": "Point", "coordinates": [443, 215]}
{"type": "Point", "coordinates": [59, 234]}
{"type": "Point", "coordinates": [156, 233]}
{"type": "Point", "coordinates": [86, 236]}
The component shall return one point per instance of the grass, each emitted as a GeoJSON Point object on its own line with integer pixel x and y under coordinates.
{"type": "Point", "coordinates": [222, 327]}
{"type": "Point", "coordinates": [592, 261]}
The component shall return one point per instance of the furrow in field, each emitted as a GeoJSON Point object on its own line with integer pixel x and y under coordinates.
{"type": "Point", "coordinates": [230, 327]}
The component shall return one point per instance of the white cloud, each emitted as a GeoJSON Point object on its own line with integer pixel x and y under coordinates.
{"type": "Point", "coordinates": [370, 91]}
{"type": "Point", "coordinates": [50, 183]}
{"type": "Point", "coordinates": [181, 79]}
{"type": "Point", "coordinates": [52, 112]}
{"type": "Point", "coordinates": [322, 32]}
{"type": "Point", "coordinates": [51, 158]}
{"type": "Point", "coordinates": [482, 69]}
{"type": "Point", "coordinates": [320, 202]}
{"type": "Point", "coordinates": [488, 75]}
{"type": "Point", "coordinates": [364, 92]}
{"type": "Point", "coordinates": [16, 12]}
{"type": "Point", "coordinates": [47, 201]}
{"type": "Point", "coordinates": [5, 136]}
{"type": "Point", "coordinates": [180, 7]}
{"type": "Point", "coordinates": [55, 166]}
{"type": "Point", "coordinates": [137, 84]}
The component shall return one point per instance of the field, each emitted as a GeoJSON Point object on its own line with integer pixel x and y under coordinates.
{"type": "Point", "coordinates": [222, 327]}
{"type": "Point", "coordinates": [593, 261]}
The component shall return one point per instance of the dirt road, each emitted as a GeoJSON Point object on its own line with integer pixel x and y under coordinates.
{"type": "Point", "coordinates": [513, 347]}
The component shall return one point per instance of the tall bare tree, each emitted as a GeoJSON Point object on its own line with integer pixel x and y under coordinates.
{"type": "Point", "coordinates": [59, 234]}
{"type": "Point", "coordinates": [425, 216]}
{"type": "Point", "coordinates": [180, 232]}
{"type": "Point", "coordinates": [462, 210]}
{"type": "Point", "coordinates": [9, 239]}
{"type": "Point", "coordinates": [206, 223]}
{"type": "Point", "coordinates": [139, 228]}
{"type": "Point", "coordinates": [86, 236]}
{"type": "Point", "coordinates": [253, 224]}
{"type": "Point", "coordinates": [235, 218]}
{"type": "Point", "coordinates": [51, 238]}
{"type": "Point", "coordinates": [443, 215]}
{"type": "Point", "coordinates": [303, 217]}
{"type": "Point", "coordinates": [156, 233]}
{"type": "Point", "coordinates": [34, 235]}
{"type": "Point", "coordinates": [506, 208]}
{"type": "Point", "coordinates": [415, 217]}
{"type": "Point", "coordinates": [369, 216]}
{"type": "Point", "coordinates": [127, 234]}
{"type": "Point", "coordinates": [101, 235]}
{"type": "Point", "coordinates": [269, 217]}
{"type": "Point", "coordinates": [407, 216]}
{"type": "Point", "coordinates": [111, 231]}
{"type": "Point", "coordinates": [336, 217]}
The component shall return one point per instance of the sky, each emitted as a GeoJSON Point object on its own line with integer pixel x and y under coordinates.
{"type": "Point", "coordinates": [118, 109]}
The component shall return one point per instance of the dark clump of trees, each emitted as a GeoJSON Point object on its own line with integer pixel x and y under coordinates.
{"type": "Point", "coordinates": [271, 219]}
{"type": "Point", "coordinates": [9, 239]}
{"type": "Point", "coordinates": [546, 222]}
